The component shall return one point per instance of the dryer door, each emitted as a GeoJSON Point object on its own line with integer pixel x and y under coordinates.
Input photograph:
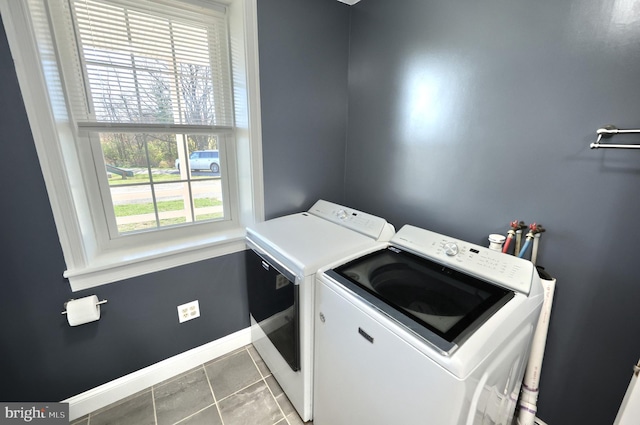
{"type": "Point", "coordinates": [273, 303]}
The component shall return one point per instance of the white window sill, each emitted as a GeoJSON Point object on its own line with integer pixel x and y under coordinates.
{"type": "Point", "coordinates": [126, 264]}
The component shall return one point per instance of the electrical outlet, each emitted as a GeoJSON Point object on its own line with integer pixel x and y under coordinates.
{"type": "Point", "coordinates": [188, 311]}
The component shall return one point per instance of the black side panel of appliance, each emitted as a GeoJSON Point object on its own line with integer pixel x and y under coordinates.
{"type": "Point", "coordinates": [273, 303]}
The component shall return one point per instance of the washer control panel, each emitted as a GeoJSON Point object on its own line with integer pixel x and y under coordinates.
{"type": "Point", "coordinates": [367, 224]}
{"type": "Point", "coordinates": [451, 248]}
{"type": "Point", "coordinates": [503, 269]}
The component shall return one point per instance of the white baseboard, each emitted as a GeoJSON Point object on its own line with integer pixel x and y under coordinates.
{"type": "Point", "coordinates": [127, 385]}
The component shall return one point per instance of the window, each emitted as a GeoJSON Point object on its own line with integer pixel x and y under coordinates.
{"type": "Point", "coordinates": [146, 65]}
{"type": "Point", "coordinates": [145, 116]}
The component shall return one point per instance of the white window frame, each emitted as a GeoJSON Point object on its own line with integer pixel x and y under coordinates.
{"type": "Point", "coordinates": [82, 229]}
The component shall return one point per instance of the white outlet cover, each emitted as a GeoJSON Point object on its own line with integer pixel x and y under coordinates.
{"type": "Point", "coordinates": [188, 311]}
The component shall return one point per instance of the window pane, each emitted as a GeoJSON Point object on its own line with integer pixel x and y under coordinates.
{"type": "Point", "coordinates": [148, 68]}
{"type": "Point", "coordinates": [133, 207]}
{"type": "Point", "coordinates": [134, 158]}
{"type": "Point", "coordinates": [204, 157]}
{"type": "Point", "coordinates": [150, 190]}
{"type": "Point", "coordinates": [208, 200]}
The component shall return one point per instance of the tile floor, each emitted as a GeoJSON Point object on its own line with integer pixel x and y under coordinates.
{"type": "Point", "coordinates": [235, 389]}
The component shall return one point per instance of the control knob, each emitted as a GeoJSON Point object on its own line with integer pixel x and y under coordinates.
{"type": "Point", "coordinates": [451, 249]}
{"type": "Point", "coordinates": [342, 214]}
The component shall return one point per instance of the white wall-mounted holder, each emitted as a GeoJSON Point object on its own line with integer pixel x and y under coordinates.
{"type": "Point", "coordinates": [609, 131]}
{"type": "Point", "coordinates": [83, 310]}
{"type": "Point", "coordinates": [98, 303]}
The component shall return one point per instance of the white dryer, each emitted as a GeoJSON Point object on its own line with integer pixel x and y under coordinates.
{"type": "Point", "coordinates": [284, 256]}
{"type": "Point", "coordinates": [427, 331]}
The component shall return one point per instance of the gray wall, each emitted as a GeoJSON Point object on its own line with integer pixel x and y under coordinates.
{"type": "Point", "coordinates": [462, 117]}
{"type": "Point", "coordinates": [466, 115]}
{"type": "Point", "coordinates": [303, 89]}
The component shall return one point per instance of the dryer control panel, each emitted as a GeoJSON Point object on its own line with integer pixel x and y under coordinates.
{"type": "Point", "coordinates": [358, 221]}
{"type": "Point", "coordinates": [503, 269]}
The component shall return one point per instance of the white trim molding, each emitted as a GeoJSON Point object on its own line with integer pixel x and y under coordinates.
{"type": "Point", "coordinates": [126, 264]}
{"type": "Point", "coordinates": [22, 42]}
{"type": "Point", "coordinates": [99, 397]}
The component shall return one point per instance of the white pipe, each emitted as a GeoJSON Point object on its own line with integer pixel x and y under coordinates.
{"type": "Point", "coordinates": [529, 395]}
{"type": "Point", "coordinates": [629, 411]}
{"type": "Point", "coordinates": [496, 242]}
{"type": "Point", "coordinates": [534, 250]}
{"type": "Point", "coordinates": [518, 245]}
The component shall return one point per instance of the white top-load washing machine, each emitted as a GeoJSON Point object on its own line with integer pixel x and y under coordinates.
{"type": "Point", "coordinates": [427, 331]}
{"type": "Point", "coordinates": [285, 253]}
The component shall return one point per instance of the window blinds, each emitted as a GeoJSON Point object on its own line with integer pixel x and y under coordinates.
{"type": "Point", "coordinates": [151, 62]}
